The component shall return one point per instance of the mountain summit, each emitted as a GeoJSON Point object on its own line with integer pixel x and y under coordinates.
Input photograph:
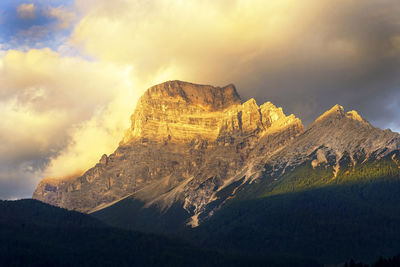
{"type": "Point", "coordinates": [337, 112]}
{"type": "Point", "coordinates": [193, 148]}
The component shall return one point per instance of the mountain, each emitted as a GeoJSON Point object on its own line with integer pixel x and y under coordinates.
{"type": "Point", "coordinates": [199, 163]}
{"type": "Point", "coordinates": [186, 143]}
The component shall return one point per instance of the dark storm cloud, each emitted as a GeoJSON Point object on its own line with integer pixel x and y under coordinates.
{"type": "Point", "coordinates": [315, 76]}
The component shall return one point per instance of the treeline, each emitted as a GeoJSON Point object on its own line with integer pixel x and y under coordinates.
{"type": "Point", "coordinates": [328, 224]}
{"type": "Point", "coordinates": [382, 262]}
{"type": "Point", "coordinates": [36, 234]}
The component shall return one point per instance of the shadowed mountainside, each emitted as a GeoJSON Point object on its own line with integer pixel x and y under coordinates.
{"type": "Point", "coordinates": [36, 234]}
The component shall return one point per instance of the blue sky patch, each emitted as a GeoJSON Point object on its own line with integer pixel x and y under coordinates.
{"type": "Point", "coordinates": [41, 30]}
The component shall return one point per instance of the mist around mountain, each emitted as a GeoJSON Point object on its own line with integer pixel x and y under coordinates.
{"type": "Point", "coordinates": [201, 165]}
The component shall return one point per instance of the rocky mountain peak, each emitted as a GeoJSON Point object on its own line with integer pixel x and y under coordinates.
{"type": "Point", "coordinates": [336, 115]}
{"type": "Point", "coordinates": [339, 136]}
{"type": "Point", "coordinates": [177, 111]}
{"type": "Point", "coordinates": [208, 97]}
{"type": "Point", "coordinates": [352, 114]}
{"type": "Point", "coordinates": [336, 112]}
{"type": "Point", "coordinates": [180, 112]}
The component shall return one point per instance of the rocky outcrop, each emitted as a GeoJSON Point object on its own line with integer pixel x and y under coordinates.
{"type": "Point", "coordinates": [186, 143]}
{"type": "Point", "coordinates": [178, 112]}
{"type": "Point", "coordinates": [334, 137]}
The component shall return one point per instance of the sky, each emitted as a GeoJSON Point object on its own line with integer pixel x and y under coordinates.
{"type": "Point", "coordinates": [71, 72]}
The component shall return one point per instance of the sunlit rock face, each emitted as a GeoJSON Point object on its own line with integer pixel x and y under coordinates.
{"type": "Point", "coordinates": [186, 143]}
{"type": "Point", "coordinates": [178, 112]}
{"type": "Point", "coordinates": [335, 140]}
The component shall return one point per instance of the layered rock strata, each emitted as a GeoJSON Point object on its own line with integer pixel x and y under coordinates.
{"type": "Point", "coordinates": [186, 142]}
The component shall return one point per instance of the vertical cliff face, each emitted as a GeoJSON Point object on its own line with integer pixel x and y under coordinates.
{"type": "Point", "coordinates": [177, 111]}
{"type": "Point", "coordinates": [187, 142]}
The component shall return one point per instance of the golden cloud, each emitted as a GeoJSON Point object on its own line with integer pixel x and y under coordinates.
{"type": "Point", "coordinates": [60, 114]}
{"type": "Point", "coordinates": [26, 11]}
{"type": "Point", "coordinates": [64, 17]}
{"type": "Point", "coordinates": [314, 51]}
